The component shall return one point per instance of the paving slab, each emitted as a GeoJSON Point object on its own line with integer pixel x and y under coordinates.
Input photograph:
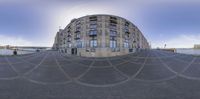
{"type": "Point", "coordinates": [150, 74]}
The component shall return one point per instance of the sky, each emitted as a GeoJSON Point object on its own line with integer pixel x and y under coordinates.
{"type": "Point", "coordinates": [175, 23]}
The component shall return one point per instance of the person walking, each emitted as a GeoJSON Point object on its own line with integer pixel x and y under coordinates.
{"type": "Point", "coordinates": [15, 52]}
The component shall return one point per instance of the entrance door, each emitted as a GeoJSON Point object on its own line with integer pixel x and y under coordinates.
{"type": "Point", "coordinates": [74, 51]}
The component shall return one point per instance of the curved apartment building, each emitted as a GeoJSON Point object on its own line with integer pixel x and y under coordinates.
{"type": "Point", "coordinates": [100, 36]}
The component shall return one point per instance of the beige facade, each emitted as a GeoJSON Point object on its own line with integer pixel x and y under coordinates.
{"type": "Point", "coordinates": [58, 40]}
{"type": "Point", "coordinates": [197, 46]}
{"type": "Point", "coordinates": [100, 36]}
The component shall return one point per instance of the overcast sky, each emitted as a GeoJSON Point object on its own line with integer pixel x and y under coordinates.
{"type": "Point", "coordinates": [35, 23]}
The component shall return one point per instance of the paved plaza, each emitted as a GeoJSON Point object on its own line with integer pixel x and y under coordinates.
{"type": "Point", "coordinates": [149, 74]}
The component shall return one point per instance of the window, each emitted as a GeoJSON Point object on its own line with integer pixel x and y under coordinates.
{"type": "Point", "coordinates": [113, 18]}
{"type": "Point", "coordinates": [93, 22]}
{"type": "Point", "coordinates": [69, 45]}
{"type": "Point", "coordinates": [113, 33]}
{"type": "Point", "coordinates": [93, 26]}
{"type": "Point", "coordinates": [126, 44]}
{"type": "Point", "coordinates": [79, 44]}
{"type": "Point", "coordinates": [78, 36]}
{"type": "Point", "coordinates": [78, 28]}
{"type": "Point", "coordinates": [113, 26]}
{"type": "Point", "coordinates": [126, 29]}
{"type": "Point", "coordinates": [93, 43]}
{"type": "Point", "coordinates": [93, 32]}
{"type": "Point", "coordinates": [126, 23]}
{"type": "Point", "coordinates": [113, 43]}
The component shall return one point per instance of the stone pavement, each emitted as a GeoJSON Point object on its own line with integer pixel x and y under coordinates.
{"type": "Point", "coordinates": [144, 75]}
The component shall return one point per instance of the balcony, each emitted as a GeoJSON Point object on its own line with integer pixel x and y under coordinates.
{"type": "Point", "coordinates": [127, 32]}
{"type": "Point", "coordinates": [93, 26]}
{"type": "Point", "coordinates": [113, 18]}
{"type": "Point", "coordinates": [93, 22]}
{"type": "Point", "coordinates": [92, 33]}
{"type": "Point", "coordinates": [78, 22]}
{"type": "Point", "coordinates": [113, 38]}
{"type": "Point", "coordinates": [68, 27]}
{"type": "Point", "coordinates": [126, 23]}
{"type": "Point", "coordinates": [69, 35]}
{"type": "Point", "coordinates": [113, 21]}
{"type": "Point", "coordinates": [68, 40]}
{"type": "Point", "coordinates": [113, 27]}
{"type": "Point", "coordinates": [93, 17]}
{"type": "Point", "coordinates": [77, 31]}
{"type": "Point", "coordinates": [77, 38]}
{"type": "Point", "coordinates": [113, 33]}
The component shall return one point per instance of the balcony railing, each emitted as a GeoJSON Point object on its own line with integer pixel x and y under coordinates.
{"type": "Point", "coordinates": [93, 22]}
{"type": "Point", "coordinates": [77, 38]}
{"type": "Point", "coordinates": [77, 31]}
{"type": "Point", "coordinates": [113, 18]}
{"type": "Point", "coordinates": [92, 34]}
{"type": "Point", "coordinates": [127, 32]}
{"type": "Point", "coordinates": [69, 35]}
{"type": "Point", "coordinates": [68, 40]}
{"type": "Point", "coordinates": [113, 21]}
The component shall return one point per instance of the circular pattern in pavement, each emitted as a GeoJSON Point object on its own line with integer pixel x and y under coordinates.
{"type": "Point", "coordinates": [52, 67]}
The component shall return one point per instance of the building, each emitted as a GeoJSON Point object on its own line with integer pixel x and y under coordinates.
{"type": "Point", "coordinates": [100, 36]}
{"type": "Point", "coordinates": [58, 40]}
{"type": "Point", "coordinates": [197, 46]}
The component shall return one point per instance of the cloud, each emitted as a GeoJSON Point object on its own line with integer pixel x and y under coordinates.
{"type": "Point", "coordinates": [17, 41]}
{"type": "Point", "coordinates": [181, 41]}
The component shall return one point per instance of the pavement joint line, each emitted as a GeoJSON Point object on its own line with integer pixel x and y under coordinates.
{"type": "Point", "coordinates": [77, 78]}
{"type": "Point", "coordinates": [46, 83]}
{"type": "Point", "coordinates": [156, 57]}
{"type": "Point", "coordinates": [189, 77]}
{"type": "Point", "coordinates": [61, 69]}
{"type": "Point", "coordinates": [105, 85]}
{"type": "Point", "coordinates": [97, 85]}
{"type": "Point", "coordinates": [12, 67]}
{"type": "Point", "coordinates": [132, 78]}
{"type": "Point", "coordinates": [165, 52]}
{"type": "Point", "coordinates": [124, 62]}
{"type": "Point", "coordinates": [9, 78]}
{"type": "Point", "coordinates": [102, 66]}
{"type": "Point", "coordinates": [166, 66]}
{"type": "Point", "coordinates": [160, 80]}
{"type": "Point", "coordinates": [23, 61]}
{"type": "Point", "coordinates": [117, 70]}
{"type": "Point", "coordinates": [28, 56]}
{"type": "Point", "coordinates": [36, 66]}
{"type": "Point", "coordinates": [182, 61]}
{"type": "Point", "coordinates": [27, 61]}
{"type": "Point", "coordinates": [185, 69]}
{"type": "Point", "coordinates": [133, 62]}
{"type": "Point", "coordinates": [156, 81]}
{"type": "Point", "coordinates": [140, 69]}
{"type": "Point", "coordinates": [83, 65]}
